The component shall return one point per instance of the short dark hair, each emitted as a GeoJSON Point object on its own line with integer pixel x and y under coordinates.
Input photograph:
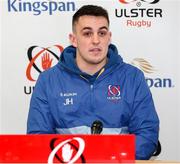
{"type": "Point", "coordinates": [91, 10]}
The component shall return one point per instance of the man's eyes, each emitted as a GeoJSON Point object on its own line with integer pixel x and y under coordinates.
{"type": "Point", "coordinates": [87, 34]}
{"type": "Point", "coordinates": [100, 33]}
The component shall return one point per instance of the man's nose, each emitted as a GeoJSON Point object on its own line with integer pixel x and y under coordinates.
{"type": "Point", "coordinates": [95, 39]}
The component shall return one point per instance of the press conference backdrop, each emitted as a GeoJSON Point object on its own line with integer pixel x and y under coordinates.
{"type": "Point", "coordinates": [145, 32]}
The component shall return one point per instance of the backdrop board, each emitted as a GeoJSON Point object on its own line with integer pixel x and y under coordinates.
{"type": "Point", "coordinates": [146, 32]}
{"type": "Point", "coordinates": [0, 68]}
{"type": "Point", "coordinates": [178, 72]}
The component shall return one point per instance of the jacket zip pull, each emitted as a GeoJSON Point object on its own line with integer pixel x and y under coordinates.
{"type": "Point", "coordinates": [91, 86]}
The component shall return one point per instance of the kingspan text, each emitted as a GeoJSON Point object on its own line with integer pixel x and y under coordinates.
{"type": "Point", "coordinates": [37, 7]}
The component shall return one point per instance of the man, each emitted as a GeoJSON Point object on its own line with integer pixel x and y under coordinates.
{"type": "Point", "coordinates": [91, 82]}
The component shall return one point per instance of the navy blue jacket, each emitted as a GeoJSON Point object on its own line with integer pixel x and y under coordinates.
{"type": "Point", "coordinates": [66, 101]}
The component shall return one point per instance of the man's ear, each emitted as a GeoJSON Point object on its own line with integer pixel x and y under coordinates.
{"type": "Point", "coordinates": [72, 39]}
{"type": "Point", "coordinates": [110, 36]}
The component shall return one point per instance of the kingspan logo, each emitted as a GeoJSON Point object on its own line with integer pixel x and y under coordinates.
{"type": "Point", "coordinates": [147, 68]}
{"type": "Point", "coordinates": [38, 7]}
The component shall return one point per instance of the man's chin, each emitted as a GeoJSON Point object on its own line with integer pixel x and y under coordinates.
{"type": "Point", "coordinates": [97, 61]}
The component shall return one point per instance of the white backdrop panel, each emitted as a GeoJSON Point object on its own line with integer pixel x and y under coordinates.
{"type": "Point", "coordinates": [157, 44]}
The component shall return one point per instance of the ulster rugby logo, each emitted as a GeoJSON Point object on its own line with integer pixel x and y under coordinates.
{"type": "Point", "coordinates": [41, 59]}
{"type": "Point", "coordinates": [114, 92]}
{"type": "Point", "coordinates": [147, 1]}
{"type": "Point", "coordinates": [71, 151]}
{"type": "Point", "coordinates": [138, 16]}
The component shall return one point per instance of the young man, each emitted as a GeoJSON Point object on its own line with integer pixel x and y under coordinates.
{"type": "Point", "coordinates": [91, 82]}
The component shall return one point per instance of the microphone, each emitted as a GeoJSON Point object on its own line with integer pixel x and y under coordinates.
{"type": "Point", "coordinates": [96, 127]}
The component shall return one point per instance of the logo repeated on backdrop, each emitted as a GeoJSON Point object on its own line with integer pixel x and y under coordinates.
{"type": "Point", "coordinates": [143, 65]}
{"type": "Point", "coordinates": [147, 1]}
{"type": "Point", "coordinates": [68, 151]}
{"type": "Point", "coordinates": [39, 7]}
{"type": "Point", "coordinates": [40, 59]}
{"type": "Point", "coordinates": [140, 16]}
{"type": "Point", "coordinates": [147, 68]}
{"type": "Point", "coordinates": [114, 93]}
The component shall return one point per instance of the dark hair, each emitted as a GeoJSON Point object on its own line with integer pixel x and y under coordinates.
{"type": "Point", "coordinates": [91, 10]}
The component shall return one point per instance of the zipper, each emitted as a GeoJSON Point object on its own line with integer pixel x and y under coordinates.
{"type": "Point", "coordinates": [91, 86]}
{"type": "Point", "coordinates": [92, 97]}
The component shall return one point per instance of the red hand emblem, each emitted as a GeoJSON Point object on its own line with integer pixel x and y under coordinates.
{"type": "Point", "coordinates": [46, 61]}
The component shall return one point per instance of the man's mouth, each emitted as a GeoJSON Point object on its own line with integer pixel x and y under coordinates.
{"type": "Point", "coordinates": [95, 50]}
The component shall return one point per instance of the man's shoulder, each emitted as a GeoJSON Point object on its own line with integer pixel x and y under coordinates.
{"type": "Point", "coordinates": [130, 69]}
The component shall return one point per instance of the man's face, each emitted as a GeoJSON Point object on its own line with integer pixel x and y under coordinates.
{"type": "Point", "coordinates": [91, 37]}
